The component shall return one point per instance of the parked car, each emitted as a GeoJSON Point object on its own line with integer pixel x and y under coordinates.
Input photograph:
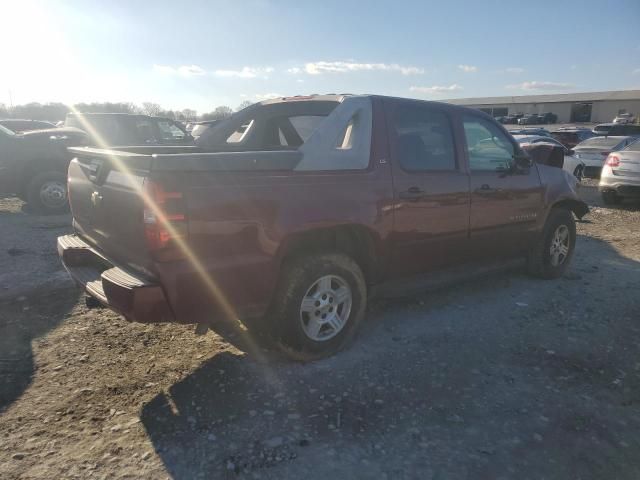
{"type": "Point", "coordinates": [570, 137]}
{"type": "Point", "coordinates": [571, 164]}
{"type": "Point", "coordinates": [198, 128]}
{"type": "Point", "coordinates": [33, 166]}
{"type": "Point", "coordinates": [548, 117]}
{"type": "Point", "coordinates": [512, 119]}
{"type": "Point", "coordinates": [300, 209]}
{"type": "Point", "coordinates": [623, 118]}
{"type": "Point", "coordinates": [617, 129]}
{"type": "Point", "coordinates": [602, 128]}
{"type": "Point", "coordinates": [530, 119]}
{"type": "Point", "coordinates": [620, 176]}
{"type": "Point", "coordinates": [531, 131]}
{"type": "Point", "coordinates": [19, 126]}
{"type": "Point", "coordinates": [595, 150]}
{"type": "Point", "coordinates": [121, 129]}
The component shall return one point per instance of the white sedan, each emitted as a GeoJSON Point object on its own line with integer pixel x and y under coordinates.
{"type": "Point", "coordinates": [571, 164]}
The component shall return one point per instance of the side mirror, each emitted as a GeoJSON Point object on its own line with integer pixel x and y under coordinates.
{"type": "Point", "coordinates": [522, 161]}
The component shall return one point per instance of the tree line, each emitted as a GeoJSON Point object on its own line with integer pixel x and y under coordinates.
{"type": "Point", "coordinates": [55, 111]}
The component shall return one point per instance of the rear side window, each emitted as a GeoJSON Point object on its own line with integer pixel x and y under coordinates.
{"type": "Point", "coordinates": [424, 139]}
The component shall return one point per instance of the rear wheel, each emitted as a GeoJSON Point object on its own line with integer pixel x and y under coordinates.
{"type": "Point", "coordinates": [552, 253]}
{"type": "Point", "coordinates": [47, 193]}
{"type": "Point", "coordinates": [611, 198]}
{"type": "Point", "coordinates": [319, 303]}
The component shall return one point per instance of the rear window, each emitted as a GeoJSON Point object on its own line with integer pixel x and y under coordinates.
{"type": "Point", "coordinates": [601, 142]}
{"type": "Point", "coordinates": [198, 130]}
{"type": "Point", "coordinates": [241, 132]}
{"type": "Point", "coordinates": [170, 130]}
{"type": "Point", "coordinates": [305, 125]}
{"type": "Point", "coordinates": [291, 131]}
{"type": "Point", "coordinates": [6, 131]}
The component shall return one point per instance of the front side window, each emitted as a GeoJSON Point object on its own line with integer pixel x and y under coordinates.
{"type": "Point", "coordinates": [488, 147]}
{"type": "Point", "coordinates": [424, 140]}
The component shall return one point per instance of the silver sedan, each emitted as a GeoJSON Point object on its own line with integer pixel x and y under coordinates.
{"type": "Point", "coordinates": [620, 176]}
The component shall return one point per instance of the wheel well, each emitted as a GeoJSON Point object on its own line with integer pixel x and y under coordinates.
{"type": "Point", "coordinates": [352, 240]}
{"type": "Point", "coordinates": [34, 167]}
{"type": "Point", "coordinates": [578, 207]}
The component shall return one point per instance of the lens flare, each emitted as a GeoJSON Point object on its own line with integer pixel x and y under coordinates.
{"type": "Point", "coordinates": [230, 315]}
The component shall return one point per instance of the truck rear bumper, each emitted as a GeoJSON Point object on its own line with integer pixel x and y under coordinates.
{"type": "Point", "coordinates": [136, 298]}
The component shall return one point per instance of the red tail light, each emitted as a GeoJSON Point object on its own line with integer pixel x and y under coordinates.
{"type": "Point", "coordinates": [613, 161]}
{"type": "Point", "coordinates": [164, 216]}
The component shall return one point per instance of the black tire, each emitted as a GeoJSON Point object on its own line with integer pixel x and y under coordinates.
{"type": "Point", "coordinates": [54, 200]}
{"type": "Point", "coordinates": [298, 277]}
{"type": "Point", "coordinates": [539, 261]}
{"type": "Point", "coordinates": [610, 197]}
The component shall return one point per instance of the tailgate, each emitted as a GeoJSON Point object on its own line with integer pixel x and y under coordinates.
{"type": "Point", "coordinates": [107, 208]}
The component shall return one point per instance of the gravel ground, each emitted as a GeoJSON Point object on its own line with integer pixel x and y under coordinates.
{"type": "Point", "coordinates": [509, 377]}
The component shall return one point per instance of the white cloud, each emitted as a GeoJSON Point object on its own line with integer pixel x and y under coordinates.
{"type": "Point", "coordinates": [184, 70]}
{"type": "Point", "coordinates": [245, 72]}
{"type": "Point", "coordinates": [535, 85]}
{"type": "Point", "coordinates": [318, 68]}
{"type": "Point", "coordinates": [636, 71]}
{"type": "Point", "coordinates": [437, 89]}
{"type": "Point", "coordinates": [267, 96]}
{"type": "Point", "coordinates": [514, 70]}
{"type": "Point", "coordinates": [468, 68]}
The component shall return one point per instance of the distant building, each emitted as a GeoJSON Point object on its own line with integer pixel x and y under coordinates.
{"type": "Point", "coordinates": [595, 107]}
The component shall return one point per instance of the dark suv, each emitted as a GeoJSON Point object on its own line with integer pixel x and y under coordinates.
{"type": "Point", "coordinates": [118, 129]}
{"type": "Point", "coordinates": [572, 137]}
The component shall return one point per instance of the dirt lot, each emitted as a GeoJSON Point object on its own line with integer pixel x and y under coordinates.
{"type": "Point", "coordinates": [509, 377]}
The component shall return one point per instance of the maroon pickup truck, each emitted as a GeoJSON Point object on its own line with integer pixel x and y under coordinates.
{"type": "Point", "coordinates": [294, 211]}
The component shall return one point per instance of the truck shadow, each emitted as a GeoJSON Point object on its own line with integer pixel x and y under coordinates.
{"type": "Point", "coordinates": [238, 415]}
{"type": "Point", "coordinates": [21, 322]}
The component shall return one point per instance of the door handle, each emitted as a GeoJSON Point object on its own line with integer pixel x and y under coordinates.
{"type": "Point", "coordinates": [413, 193]}
{"type": "Point", "coordinates": [485, 189]}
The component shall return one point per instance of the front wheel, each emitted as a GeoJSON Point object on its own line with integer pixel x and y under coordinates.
{"type": "Point", "coordinates": [47, 193]}
{"type": "Point", "coordinates": [552, 254]}
{"type": "Point", "coordinates": [319, 303]}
